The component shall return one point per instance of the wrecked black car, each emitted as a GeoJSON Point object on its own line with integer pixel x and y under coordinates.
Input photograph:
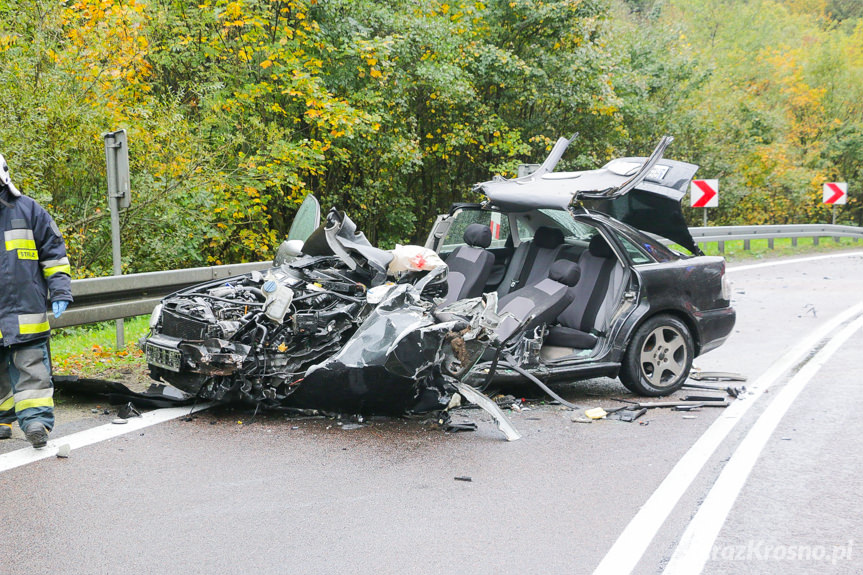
{"type": "Point", "coordinates": [640, 311]}
{"type": "Point", "coordinates": [535, 286]}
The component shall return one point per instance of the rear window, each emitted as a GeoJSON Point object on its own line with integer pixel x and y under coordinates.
{"type": "Point", "coordinates": [635, 253]}
{"type": "Point", "coordinates": [570, 227]}
{"type": "Point", "coordinates": [651, 246]}
{"type": "Point", "coordinates": [498, 222]}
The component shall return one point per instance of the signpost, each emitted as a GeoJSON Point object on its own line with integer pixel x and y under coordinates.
{"type": "Point", "coordinates": [835, 193]}
{"type": "Point", "coordinates": [117, 160]}
{"type": "Point", "coordinates": [704, 194]}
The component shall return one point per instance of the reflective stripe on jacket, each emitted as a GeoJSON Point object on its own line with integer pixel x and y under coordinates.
{"type": "Point", "coordinates": [34, 269]}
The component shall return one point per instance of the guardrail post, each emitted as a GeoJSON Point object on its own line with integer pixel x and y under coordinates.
{"type": "Point", "coordinates": [769, 243]}
{"type": "Point", "coordinates": [746, 245]}
{"type": "Point", "coordinates": [794, 242]}
{"type": "Point", "coordinates": [721, 246]}
{"type": "Point", "coordinates": [814, 240]}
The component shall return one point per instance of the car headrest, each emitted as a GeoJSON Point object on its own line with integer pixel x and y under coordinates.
{"type": "Point", "coordinates": [565, 272]}
{"type": "Point", "coordinates": [548, 237]}
{"type": "Point", "coordinates": [600, 248]}
{"type": "Point", "coordinates": [478, 236]}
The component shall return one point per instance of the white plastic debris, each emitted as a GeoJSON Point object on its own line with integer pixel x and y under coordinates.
{"type": "Point", "coordinates": [413, 258]}
{"type": "Point", "coordinates": [64, 450]}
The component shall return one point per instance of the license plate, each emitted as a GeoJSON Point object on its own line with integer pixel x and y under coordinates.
{"type": "Point", "coordinates": [163, 357]}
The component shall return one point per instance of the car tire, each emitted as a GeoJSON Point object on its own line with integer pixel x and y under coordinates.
{"type": "Point", "coordinates": [659, 357]}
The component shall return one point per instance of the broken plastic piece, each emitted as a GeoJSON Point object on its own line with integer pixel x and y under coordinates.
{"type": "Point", "coordinates": [128, 411]}
{"type": "Point", "coordinates": [480, 399]}
{"type": "Point", "coordinates": [456, 427]}
{"type": "Point", "coordinates": [716, 376]}
{"type": "Point", "coordinates": [596, 413]}
{"type": "Point", "coordinates": [630, 415]}
{"type": "Point", "coordinates": [463, 478]}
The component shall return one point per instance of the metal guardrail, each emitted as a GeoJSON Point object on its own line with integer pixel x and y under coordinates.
{"type": "Point", "coordinates": [116, 297]}
{"type": "Point", "coordinates": [728, 233]}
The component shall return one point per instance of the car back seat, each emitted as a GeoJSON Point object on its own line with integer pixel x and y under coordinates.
{"type": "Point", "coordinates": [532, 260]}
{"type": "Point", "coordinates": [469, 265]}
{"type": "Point", "coordinates": [588, 315]}
{"type": "Point", "coordinates": [545, 300]}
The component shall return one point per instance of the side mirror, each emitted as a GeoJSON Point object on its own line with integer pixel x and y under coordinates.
{"type": "Point", "coordinates": [288, 251]}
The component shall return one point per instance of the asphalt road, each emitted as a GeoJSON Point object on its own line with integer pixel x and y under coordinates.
{"type": "Point", "coordinates": [224, 493]}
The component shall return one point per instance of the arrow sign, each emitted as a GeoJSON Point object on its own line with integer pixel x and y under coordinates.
{"type": "Point", "coordinates": [836, 193]}
{"type": "Point", "coordinates": [704, 193]}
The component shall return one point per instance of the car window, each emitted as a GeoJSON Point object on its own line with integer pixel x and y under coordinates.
{"type": "Point", "coordinates": [525, 233]}
{"type": "Point", "coordinates": [635, 253]}
{"type": "Point", "coordinates": [570, 227]}
{"type": "Point", "coordinates": [498, 222]}
{"type": "Point", "coordinates": [307, 219]}
{"type": "Point", "coordinates": [651, 246]}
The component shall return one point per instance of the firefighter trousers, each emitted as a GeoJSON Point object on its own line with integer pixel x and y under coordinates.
{"type": "Point", "coordinates": [26, 392]}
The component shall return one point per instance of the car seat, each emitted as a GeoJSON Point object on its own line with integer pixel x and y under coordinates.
{"type": "Point", "coordinates": [586, 315]}
{"type": "Point", "coordinates": [469, 265]}
{"type": "Point", "coordinates": [544, 300]}
{"type": "Point", "coordinates": [532, 260]}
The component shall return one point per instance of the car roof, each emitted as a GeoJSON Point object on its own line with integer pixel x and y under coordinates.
{"type": "Point", "coordinates": [546, 188]}
{"type": "Point", "coordinates": [644, 192]}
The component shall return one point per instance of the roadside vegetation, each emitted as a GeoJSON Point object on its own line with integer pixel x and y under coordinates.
{"type": "Point", "coordinates": [91, 350]}
{"type": "Point", "coordinates": [761, 249]}
{"type": "Point", "coordinates": [236, 109]}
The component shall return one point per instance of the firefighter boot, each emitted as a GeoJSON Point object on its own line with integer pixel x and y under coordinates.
{"type": "Point", "coordinates": [5, 430]}
{"type": "Point", "coordinates": [36, 434]}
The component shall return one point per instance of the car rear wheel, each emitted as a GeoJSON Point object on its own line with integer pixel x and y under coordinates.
{"type": "Point", "coordinates": [659, 357]}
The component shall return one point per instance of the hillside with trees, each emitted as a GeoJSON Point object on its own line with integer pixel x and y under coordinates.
{"type": "Point", "coordinates": [236, 110]}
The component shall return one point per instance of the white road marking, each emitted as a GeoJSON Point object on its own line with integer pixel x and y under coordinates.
{"type": "Point", "coordinates": [791, 261]}
{"type": "Point", "coordinates": [695, 546]}
{"type": "Point", "coordinates": [630, 546]}
{"type": "Point", "coordinates": [27, 455]}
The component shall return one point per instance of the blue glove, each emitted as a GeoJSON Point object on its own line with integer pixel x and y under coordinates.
{"type": "Point", "coordinates": [59, 307]}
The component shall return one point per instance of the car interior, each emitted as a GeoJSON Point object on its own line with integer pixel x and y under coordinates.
{"type": "Point", "coordinates": [529, 269]}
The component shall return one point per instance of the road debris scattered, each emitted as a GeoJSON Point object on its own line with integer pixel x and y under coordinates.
{"type": "Point", "coordinates": [703, 398]}
{"type": "Point", "coordinates": [698, 375]}
{"type": "Point", "coordinates": [595, 413]}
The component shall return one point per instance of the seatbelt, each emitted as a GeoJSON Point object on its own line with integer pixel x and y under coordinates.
{"type": "Point", "coordinates": [529, 256]}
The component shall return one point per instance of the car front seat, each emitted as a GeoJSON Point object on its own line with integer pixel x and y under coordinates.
{"type": "Point", "coordinates": [583, 318]}
{"type": "Point", "coordinates": [544, 300]}
{"type": "Point", "coordinates": [469, 265]}
{"type": "Point", "coordinates": [532, 260]}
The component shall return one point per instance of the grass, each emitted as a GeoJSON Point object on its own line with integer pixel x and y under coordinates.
{"type": "Point", "coordinates": [760, 249]}
{"type": "Point", "coordinates": [90, 350]}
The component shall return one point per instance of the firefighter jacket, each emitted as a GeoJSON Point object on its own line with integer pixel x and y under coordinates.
{"type": "Point", "coordinates": [33, 269]}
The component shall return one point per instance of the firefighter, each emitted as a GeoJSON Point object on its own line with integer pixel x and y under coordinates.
{"type": "Point", "coordinates": [33, 269]}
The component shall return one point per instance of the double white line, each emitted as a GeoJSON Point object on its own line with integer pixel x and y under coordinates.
{"type": "Point", "coordinates": [697, 541]}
